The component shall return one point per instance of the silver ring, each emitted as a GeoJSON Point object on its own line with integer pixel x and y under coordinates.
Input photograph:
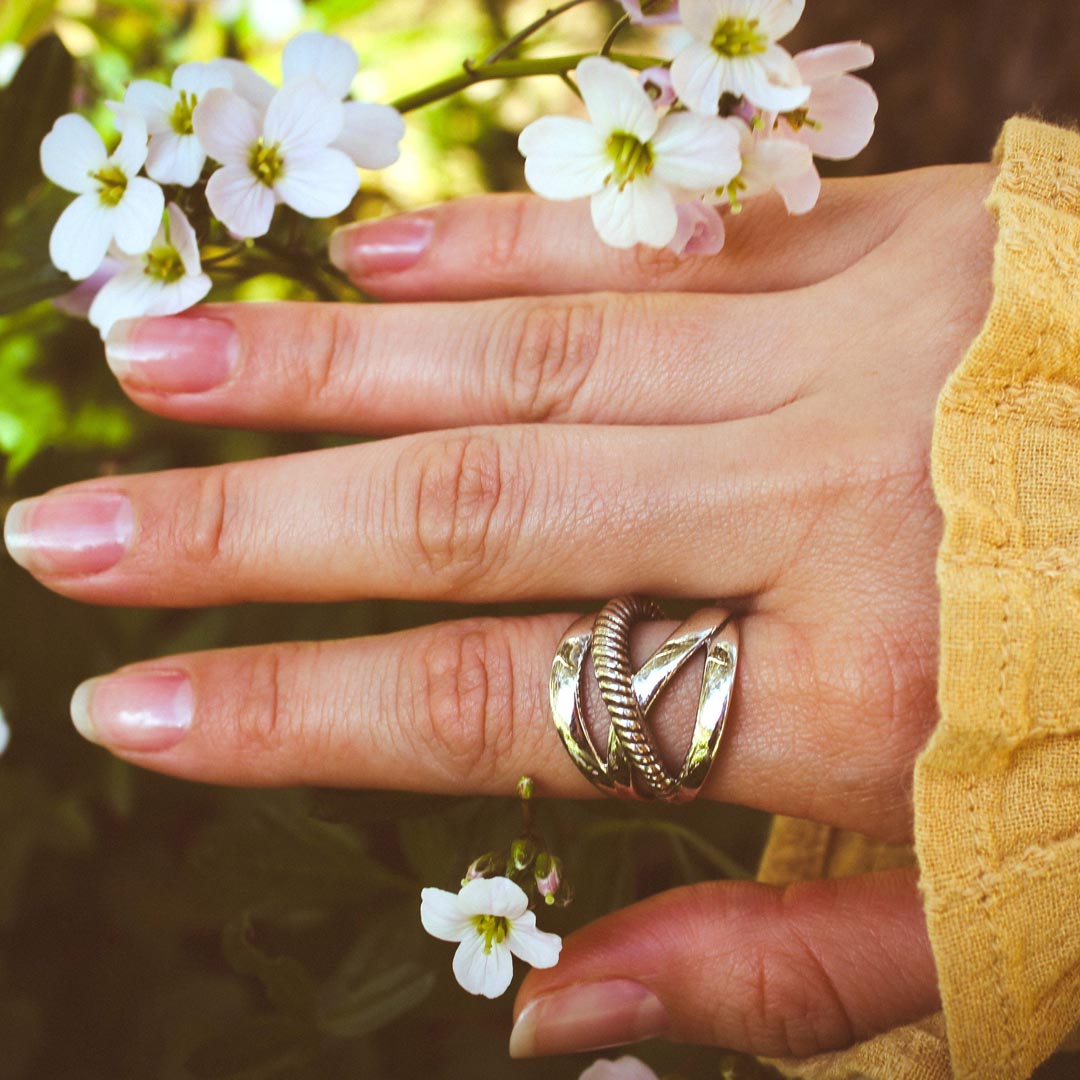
{"type": "Point", "coordinates": [632, 767]}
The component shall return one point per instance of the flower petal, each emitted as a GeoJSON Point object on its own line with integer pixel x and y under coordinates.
{"type": "Point", "coordinates": [651, 12]}
{"type": "Point", "coordinates": [318, 184]}
{"type": "Point", "coordinates": [442, 917]}
{"type": "Point", "coordinates": [700, 230]}
{"type": "Point", "coordinates": [183, 239]}
{"type": "Point", "coordinates": [137, 216]}
{"type": "Point", "coordinates": [130, 155]}
{"type": "Point", "coordinates": [698, 153]}
{"type": "Point", "coordinates": [776, 17]}
{"type": "Point", "coordinates": [771, 81]}
{"type": "Point", "coordinates": [615, 99]}
{"type": "Point", "coordinates": [564, 158]}
{"type": "Point", "coordinates": [493, 896]}
{"type": "Point", "coordinates": [175, 159]}
{"type": "Point", "coordinates": [71, 151]}
{"type": "Point", "coordinates": [302, 116]}
{"type": "Point", "coordinates": [246, 81]}
{"type": "Point", "coordinates": [800, 193]}
{"type": "Point", "coordinates": [624, 1068]}
{"type": "Point", "coordinates": [153, 101]}
{"type": "Point", "coordinates": [240, 201]}
{"type": "Point", "coordinates": [81, 236]}
{"type": "Point", "coordinates": [701, 16]}
{"type": "Point", "coordinates": [479, 972]}
{"type": "Point", "coordinates": [76, 303]}
{"type": "Point", "coordinates": [197, 78]}
{"type": "Point", "coordinates": [332, 60]}
{"type": "Point", "coordinates": [773, 162]}
{"type": "Point", "coordinates": [128, 295]}
{"type": "Point", "coordinates": [370, 134]}
{"type": "Point", "coordinates": [697, 74]}
{"type": "Point", "coordinates": [177, 296]}
{"type": "Point", "coordinates": [536, 947]}
{"type": "Point", "coordinates": [828, 60]}
{"type": "Point", "coordinates": [227, 125]}
{"type": "Point", "coordinates": [845, 107]}
{"type": "Point", "coordinates": [643, 212]}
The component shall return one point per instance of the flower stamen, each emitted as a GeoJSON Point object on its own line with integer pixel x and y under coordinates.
{"type": "Point", "coordinates": [164, 264]}
{"type": "Point", "coordinates": [266, 162]}
{"type": "Point", "coordinates": [113, 183]}
{"type": "Point", "coordinates": [492, 928]}
{"type": "Point", "coordinates": [181, 114]}
{"type": "Point", "coordinates": [800, 118]}
{"type": "Point", "coordinates": [630, 156]}
{"type": "Point", "coordinates": [739, 37]}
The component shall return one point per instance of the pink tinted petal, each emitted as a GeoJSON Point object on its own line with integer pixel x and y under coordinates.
{"type": "Point", "coordinates": [658, 85]}
{"type": "Point", "coordinates": [303, 117]}
{"type": "Point", "coordinates": [771, 81]}
{"type": "Point", "coordinates": [226, 125]}
{"type": "Point", "coordinates": [370, 134]}
{"type": "Point", "coordinates": [623, 1068]}
{"type": "Point", "coordinates": [246, 81]}
{"type": "Point", "coordinates": [700, 230]}
{"type": "Point", "coordinates": [493, 896]}
{"type": "Point", "coordinates": [698, 153]}
{"type": "Point", "coordinates": [332, 60]}
{"type": "Point", "coordinates": [845, 108]}
{"type": "Point", "coordinates": [318, 184]}
{"type": "Point", "coordinates": [154, 101]}
{"type": "Point", "coordinates": [777, 17]}
{"type": "Point", "coordinates": [828, 60]}
{"type": "Point", "coordinates": [651, 12]}
{"type": "Point", "coordinates": [241, 202]}
{"type": "Point", "coordinates": [77, 302]}
{"type": "Point", "coordinates": [175, 159]}
{"type": "Point", "coordinates": [198, 78]}
{"type": "Point", "coordinates": [800, 193]}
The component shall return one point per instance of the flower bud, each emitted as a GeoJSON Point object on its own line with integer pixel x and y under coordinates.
{"type": "Point", "coordinates": [522, 853]}
{"type": "Point", "coordinates": [525, 788]}
{"type": "Point", "coordinates": [548, 876]}
{"type": "Point", "coordinates": [481, 867]}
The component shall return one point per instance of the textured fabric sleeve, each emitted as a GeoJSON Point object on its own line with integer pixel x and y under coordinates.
{"type": "Point", "coordinates": [997, 788]}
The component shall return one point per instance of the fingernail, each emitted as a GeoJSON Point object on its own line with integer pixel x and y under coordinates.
{"type": "Point", "coordinates": [173, 354]}
{"type": "Point", "coordinates": [387, 246]}
{"type": "Point", "coordinates": [145, 710]}
{"type": "Point", "coordinates": [77, 533]}
{"type": "Point", "coordinates": [589, 1016]}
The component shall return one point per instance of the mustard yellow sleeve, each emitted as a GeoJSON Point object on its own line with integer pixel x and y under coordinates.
{"type": "Point", "coordinates": [997, 788]}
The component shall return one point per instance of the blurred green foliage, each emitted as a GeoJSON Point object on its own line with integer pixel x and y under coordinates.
{"type": "Point", "coordinates": [154, 928]}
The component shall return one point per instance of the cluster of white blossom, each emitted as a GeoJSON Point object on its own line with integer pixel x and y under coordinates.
{"type": "Point", "coordinates": [732, 116]}
{"type": "Point", "coordinates": [299, 144]}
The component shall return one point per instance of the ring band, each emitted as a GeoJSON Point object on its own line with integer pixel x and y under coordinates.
{"type": "Point", "coordinates": [633, 767]}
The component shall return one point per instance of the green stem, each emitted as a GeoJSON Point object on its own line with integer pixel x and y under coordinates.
{"type": "Point", "coordinates": [527, 32]}
{"type": "Point", "coordinates": [609, 41]}
{"type": "Point", "coordinates": [508, 69]}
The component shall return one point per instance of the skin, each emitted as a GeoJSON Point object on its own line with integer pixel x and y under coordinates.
{"type": "Point", "coordinates": [579, 423]}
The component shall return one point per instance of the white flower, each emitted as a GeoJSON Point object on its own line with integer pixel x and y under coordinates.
{"type": "Point", "coordinates": [284, 156]}
{"type": "Point", "coordinates": [114, 204]}
{"type": "Point", "coordinates": [624, 1068]}
{"type": "Point", "coordinates": [633, 164]}
{"type": "Point", "coordinates": [176, 156]}
{"type": "Point", "coordinates": [272, 20]}
{"type": "Point", "coordinates": [490, 917]}
{"type": "Point", "coordinates": [770, 162]}
{"type": "Point", "coordinates": [165, 280]}
{"type": "Point", "coordinates": [701, 229]}
{"type": "Point", "coordinates": [5, 733]}
{"type": "Point", "coordinates": [370, 133]}
{"type": "Point", "coordinates": [735, 52]}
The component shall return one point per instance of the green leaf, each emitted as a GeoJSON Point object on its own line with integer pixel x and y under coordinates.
{"type": "Point", "coordinates": [378, 1001]}
{"type": "Point", "coordinates": [288, 984]}
{"type": "Point", "coordinates": [39, 93]}
{"type": "Point", "coordinates": [27, 274]}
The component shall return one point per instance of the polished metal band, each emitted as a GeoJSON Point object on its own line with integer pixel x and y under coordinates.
{"type": "Point", "coordinates": [632, 767]}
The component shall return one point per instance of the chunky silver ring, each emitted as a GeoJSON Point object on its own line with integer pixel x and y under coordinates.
{"type": "Point", "coordinates": [632, 767]}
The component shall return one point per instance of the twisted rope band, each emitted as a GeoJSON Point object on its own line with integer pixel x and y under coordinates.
{"type": "Point", "coordinates": [633, 767]}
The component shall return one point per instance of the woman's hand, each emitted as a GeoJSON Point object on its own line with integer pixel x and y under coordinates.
{"type": "Point", "coordinates": [578, 423]}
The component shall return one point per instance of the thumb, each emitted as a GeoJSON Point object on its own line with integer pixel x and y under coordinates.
{"type": "Point", "coordinates": [763, 970]}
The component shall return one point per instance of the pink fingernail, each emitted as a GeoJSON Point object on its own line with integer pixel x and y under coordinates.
{"type": "Point", "coordinates": [175, 354]}
{"type": "Point", "coordinates": [76, 533]}
{"type": "Point", "coordinates": [388, 246]}
{"type": "Point", "coordinates": [589, 1016]}
{"type": "Point", "coordinates": [144, 710]}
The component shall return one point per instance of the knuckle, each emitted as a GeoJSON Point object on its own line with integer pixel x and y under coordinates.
{"type": "Point", "coordinates": [324, 375]}
{"type": "Point", "coordinates": [207, 528]}
{"type": "Point", "coordinates": [508, 232]}
{"type": "Point", "coordinates": [455, 494]}
{"type": "Point", "coordinates": [657, 267]}
{"type": "Point", "coordinates": [552, 346]}
{"type": "Point", "coordinates": [461, 701]}
{"type": "Point", "coordinates": [262, 721]}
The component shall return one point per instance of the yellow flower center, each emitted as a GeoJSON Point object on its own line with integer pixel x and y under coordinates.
{"type": "Point", "coordinates": [266, 162]}
{"type": "Point", "coordinates": [113, 183]}
{"type": "Point", "coordinates": [181, 114]}
{"type": "Point", "coordinates": [739, 37]}
{"type": "Point", "coordinates": [164, 263]}
{"type": "Point", "coordinates": [492, 928]}
{"type": "Point", "coordinates": [800, 118]}
{"type": "Point", "coordinates": [630, 158]}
